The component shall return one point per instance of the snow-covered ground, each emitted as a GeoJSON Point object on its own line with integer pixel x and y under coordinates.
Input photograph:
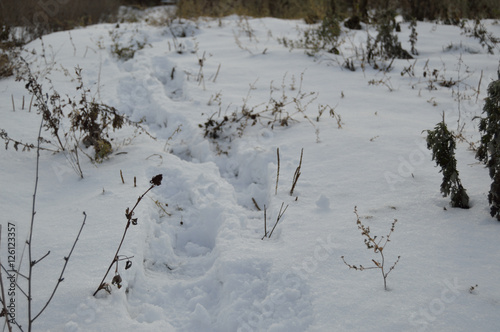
{"type": "Point", "coordinates": [199, 261]}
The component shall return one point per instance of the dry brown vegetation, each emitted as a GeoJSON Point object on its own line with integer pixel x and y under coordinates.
{"type": "Point", "coordinates": [317, 9]}
{"type": "Point", "coordinates": [39, 17]}
{"type": "Point", "coordinates": [52, 15]}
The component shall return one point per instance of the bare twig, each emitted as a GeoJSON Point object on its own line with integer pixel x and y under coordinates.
{"type": "Point", "coordinates": [280, 214]}
{"type": "Point", "coordinates": [278, 172]}
{"type": "Point", "coordinates": [30, 235]}
{"type": "Point", "coordinates": [217, 73]}
{"type": "Point", "coordinates": [72, 43]}
{"type": "Point", "coordinates": [66, 260]}
{"type": "Point", "coordinates": [297, 173]}
{"type": "Point", "coordinates": [255, 203]}
{"type": "Point", "coordinates": [40, 259]}
{"type": "Point", "coordinates": [265, 222]}
{"type": "Point", "coordinates": [25, 146]}
{"type": "Point", "coordinates": [31, 103]}
{"type": "Point", "coordinates": [479, 86]}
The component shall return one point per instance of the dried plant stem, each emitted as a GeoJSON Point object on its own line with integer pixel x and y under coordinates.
{"type": "Point", "coordinates": [31, 263]}
{"type": "Point", "coordinates": [156, 181]}
{"type": "Point", "coordinates": [280, 214]}
{"type": "Point", "coordinates": [66, 260]}
{"type": "Point", "coordinates": [31, 103]}
{"type": "Point", "coordinates": [217, 73]}
{"type": "Point", "coordinates": [479, 86]}
{"type": "Point", "coordinates": [13, 106]}
{"type": "Point", "coordinates": [297, 173]}
{"type": "Point", "coordinates": [255, 203]}
{"type": "Point", "coordinates": [29, 242]}
{"type": "Point", "coordinates": [278, 172]}
{"type": "Point", "coordinates": [265, 222]}
{"type": "Point", "coordinates": [377, 246]}
{"type": "Point", "coordinates": [121, 175]}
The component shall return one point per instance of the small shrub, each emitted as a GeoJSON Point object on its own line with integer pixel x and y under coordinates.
{"type": "Point", "coordinates": [90, 121]}
{"type": "Point", "coordinates": [489, 149]}
{"type": "Point", "coordinates": [125, 51]}
{"type": "Point", "coordinates": [279, 111]}
{"type": "Point", "coordinates": [442, 143]}
{"type": "Point", "coordinates": [321, 38]}
{"type": "Point", "coordinates": [378, 246]}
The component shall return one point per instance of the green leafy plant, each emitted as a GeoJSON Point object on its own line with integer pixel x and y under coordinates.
{"type": "Point", "coordinates": [386, 45]}
{"type": "Point", "coordinates": [442, 143]}
{"type": "Point", "coordinates": [377, 246]}
{"type": "Point", "coordinates": [489, 148]}
{"type": "Point", "coordinates": [413, 36]}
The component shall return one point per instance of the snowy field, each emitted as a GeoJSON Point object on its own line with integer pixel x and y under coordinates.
{"type": "Point", "coordinates": [200, 262]}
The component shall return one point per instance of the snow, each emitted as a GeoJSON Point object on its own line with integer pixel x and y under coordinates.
{"type": "Point", "coordinates": [199, 262]}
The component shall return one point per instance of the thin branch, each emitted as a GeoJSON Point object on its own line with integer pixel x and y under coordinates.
{"type": "Point", "coordinates": [30, 236]}
{"type": "Point", "coordinates": [66, 260]}
{"type": "Point", "coordinates": [255, 203]}
{"type": "Point", "coordinates": [278, 172]}
{"type": "Point", "coordinates": [360, 268]}
{"type": "Point", "coordinates": [217, 73]}
{"type": "Point", "coordinates": [280, 214]}
{"type": "Point", "coordinates": [265, 222]}
{"type": "Point", "coordinates": [479, 86]}
{"type": "Point", "coordinates": [297, 173]}
{"type": "Point", "coordinates": [16, 272]}
{"type": "Point", "coordinates": [37, 261]}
